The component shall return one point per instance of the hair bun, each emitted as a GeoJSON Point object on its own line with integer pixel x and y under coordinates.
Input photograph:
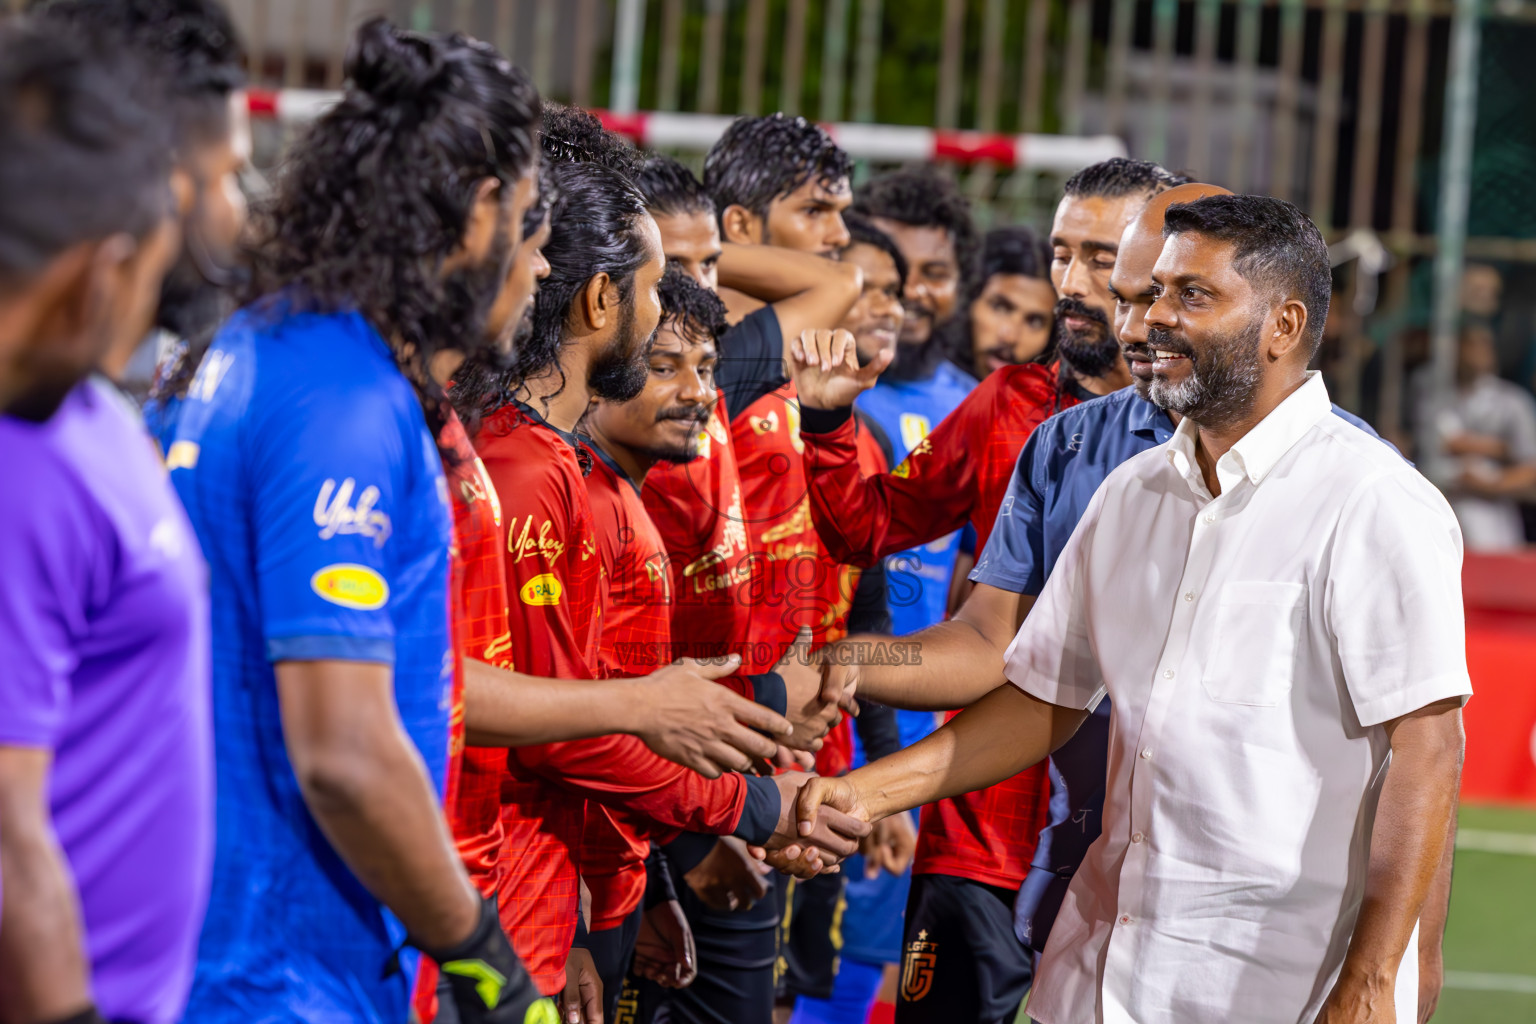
{"type": "Point", "coordinates": [394, 66]}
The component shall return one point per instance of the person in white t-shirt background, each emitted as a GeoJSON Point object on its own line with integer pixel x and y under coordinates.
{"type": "Point", "coordinates": [1273, 602]}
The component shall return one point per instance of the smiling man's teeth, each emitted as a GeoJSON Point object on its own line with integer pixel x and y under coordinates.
{"type": "Point", "coordinates": [1163, 353]}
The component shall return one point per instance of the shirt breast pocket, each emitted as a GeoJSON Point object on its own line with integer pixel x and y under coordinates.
{"type": "Point", "coordinates": [1253, 652]}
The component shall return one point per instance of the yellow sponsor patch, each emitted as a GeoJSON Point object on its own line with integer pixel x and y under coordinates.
{"type": "Point", "coordinates": [903, 470]}
{"type": "Point", "coordinates": [351, 586]}
{"type": "Point", "coordinates": [183, 455]}
{"type": "Point", "coordinates": [542, 589]}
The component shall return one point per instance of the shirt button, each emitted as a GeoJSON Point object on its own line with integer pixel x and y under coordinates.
{"type": "Point", "coordinates": [1167, 673]}
{"type": "Point", "coordinates": [1125, 918]}
{"type": "Point", "coordinates": [1137, 837]}
{"type": "Point", "coordinates": [1146, 753]}
{"type": "Point", "coordinates": [1189, 595]}
{"type": "Point", "coordinates": [1210, 517]}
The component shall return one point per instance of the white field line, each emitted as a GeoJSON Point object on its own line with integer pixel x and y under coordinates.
{"type": "Point", "coordinates": [1487, 841]}
{"type": "Point", "coordinates": [1478, 980]}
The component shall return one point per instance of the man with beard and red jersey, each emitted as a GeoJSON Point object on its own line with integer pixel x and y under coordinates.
{"type": "Point", "coordinates": [664, 424]}
{"type": "Point", "coordinates": [593, 318]}
{"type": "Point", "coordinates": [678, 712]}
{"type": "Point", "coordinates": [973, 850]}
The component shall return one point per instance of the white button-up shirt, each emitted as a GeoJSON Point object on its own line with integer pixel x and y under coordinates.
{"type": "Point", "coordinates": [1253, 644]}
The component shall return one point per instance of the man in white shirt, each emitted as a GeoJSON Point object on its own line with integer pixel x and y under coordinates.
{"type": "Point", "coordinates": [1273, 602]}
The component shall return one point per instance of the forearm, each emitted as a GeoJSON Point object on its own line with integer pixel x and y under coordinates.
{"type": "Point", "coordinates": [771, 274]}
{"type": "Point", "coordinates": [1001, 735]}
{"type": "Point", "coordinates": [376, 806]}
{"type": "Point", "coordinates": [43, 972]}
{"type": "Point", "coordinates": [952, 664]}
{"type": "Point", "coordinates": [510, 709]}
{"type": "Point", "coordinates": [1409, 845]}
{"type": "Point", "coordinates": [621, 773]}
{"type": "Point", "coordinates": [1437, 901]}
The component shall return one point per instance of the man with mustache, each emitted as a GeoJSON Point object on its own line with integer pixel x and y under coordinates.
{"type": "Point", "coordinates": [1010, 313]}
{"type": "Point", "coordinates": [1291, 619]}
{"type": "Point", "coordinates": [975, 849]}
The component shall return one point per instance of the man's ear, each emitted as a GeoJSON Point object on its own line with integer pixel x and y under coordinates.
{"type": "Point", "coordinates": [598, 301]}
{"type": "Point", "coordinates": [740, 225]}
{"type": "Point", "coordinates": [73, 291]}
{"type": "Point", "coordinates": [485, 213]}
{"type": "Point", "coordinates": [1289, 330]}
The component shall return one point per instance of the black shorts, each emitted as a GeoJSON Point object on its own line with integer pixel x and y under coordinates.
{"type": "Point", "coordinates": [812, 940]}
{"type": "Point", "coordinates": [961, 962]}
{"type": "Point", "coordinates": [737, 953]}
{"type": "Point", "coordinates": [611, 951]}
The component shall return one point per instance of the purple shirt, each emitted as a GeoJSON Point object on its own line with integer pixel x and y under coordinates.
{"type": "Point", "coordinates": [104, 643]}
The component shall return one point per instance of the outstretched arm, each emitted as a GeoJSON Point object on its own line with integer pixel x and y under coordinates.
{"type": "Point", "coordinates": [1408, 842]}
{"type": "Point", "coordinates": [678, 711]}
{"type": "Point", "coordinates": [957, 661]}
{"type": "Point", "coordinates": [999, 736]}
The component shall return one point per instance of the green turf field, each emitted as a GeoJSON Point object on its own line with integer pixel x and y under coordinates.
{"type": "Point", "coordinates": [1490, 941]}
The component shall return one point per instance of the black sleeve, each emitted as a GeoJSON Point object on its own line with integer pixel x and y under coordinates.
{"type": "Point", "coordinates": [751, 360]}
{"type": "Point", "coordinates": [878, 730]}
{"type": "Point", "coordinates": [659, 887]}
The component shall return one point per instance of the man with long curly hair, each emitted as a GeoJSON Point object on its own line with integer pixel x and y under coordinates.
{"type": "Point", "coordinates": [306, 457]}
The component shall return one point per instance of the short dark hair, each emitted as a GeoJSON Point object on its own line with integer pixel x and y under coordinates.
{"type": "Point", "coordinates": [690, 309]}
{"type": "Point", "coordinates": [862, 232]}
{"type": "Point", "coordinates": [1275, 246]}
{"type": "Point", "coordinates": [1120, 176]}
{"type": "Point", "coordinates": [924, 197]}
{"type": "Point", "coordinates": [192, 44]}
{"type": "Point", "coordinates": [572, 135]}
{"type": "Point", "coordinates": [1014, 249]}
{"type": "Point", "coordinates": [760, 159]}
{"type": "Point", "coordinates": [378, 193]}
{"type": "Point", "coordinates": [671, 189]}
{"type": "Point", "coordinates": [84, 151]}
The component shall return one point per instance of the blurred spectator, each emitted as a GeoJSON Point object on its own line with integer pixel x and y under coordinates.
{"type": "Point", "coordinates": [1480, 447]}
{"type": "Point", "coordinates": [1482, 288]}
{"type": "Point", "coordinates": [1010, 308]}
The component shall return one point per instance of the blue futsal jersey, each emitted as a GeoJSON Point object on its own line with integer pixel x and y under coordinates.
{"type": "Point", "coordinates": [907, 410]}
{"type": "Point", "coordinates": [307, 469]}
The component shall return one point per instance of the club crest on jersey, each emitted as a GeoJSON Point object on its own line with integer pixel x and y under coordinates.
{"type": "Point", "coordinates": [904, 470]}
{"type": "Point", "coordinates": [914, 427]}
{"type": "Point", "coordinates": [917, 968]}
{"type": "Point", "coordinates": [543, 589]}
{"type": "Point", "coordinates": [351, 586]}
{"type": "Point", "coordinates": [336, 515]}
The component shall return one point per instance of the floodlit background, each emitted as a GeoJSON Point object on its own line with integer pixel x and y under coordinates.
{"type": "Point", "coordinates": [1406, 128]}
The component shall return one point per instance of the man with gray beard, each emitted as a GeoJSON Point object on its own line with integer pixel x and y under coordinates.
{"type": "Point", "coordinates": [1272, 599]}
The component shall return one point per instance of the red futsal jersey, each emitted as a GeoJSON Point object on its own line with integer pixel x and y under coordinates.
{"type": "Point", "coordinates": [697, 509]}
{"type": "Point", "coordinates": [554, 578]}
{"type": "Point", "coordinates": [959, 473]}
{"type": "Point", "coordinates": [799, 583]}
{"type": "Point", "coordinates": [636, 640]}
{"type": "Point", "coordinates": [478, 599]}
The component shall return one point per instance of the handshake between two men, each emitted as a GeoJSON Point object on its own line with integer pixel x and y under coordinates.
{"type": "Point", "coordinates": [806, 844]}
